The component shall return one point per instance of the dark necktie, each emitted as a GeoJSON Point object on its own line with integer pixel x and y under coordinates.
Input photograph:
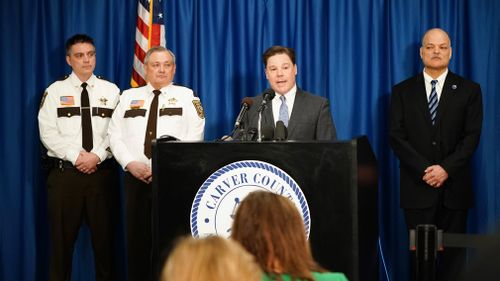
{"type": "Point", "coordinates": [87, 143]}
{"type": "Point", "coordinates": [151, 127]}
{"type": "Point", "coordinates": [433, 102]}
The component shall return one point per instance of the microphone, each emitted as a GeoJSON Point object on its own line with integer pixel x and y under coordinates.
{"type": "Point", "coordinates": [246, 103]}
{"type": "Point", "coordinates": [249, 135]}
{"type": "Point", "coordinates": [267, 133]}
{"type": "Point", "coordinates": [168, 138]}
{"type": "Point", "coordinates": [267, 95]}
{"type": "Point", "coordinates": [280, 132]}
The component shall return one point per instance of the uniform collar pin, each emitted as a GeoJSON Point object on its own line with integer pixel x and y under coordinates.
{"type": "Point", "coordinates": [454, 87]}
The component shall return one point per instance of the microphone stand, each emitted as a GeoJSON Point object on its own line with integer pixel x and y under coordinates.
{"type": "Point", "coordinates": [267, 97]}
{"type": "Point", "coordinates": [259, 126]}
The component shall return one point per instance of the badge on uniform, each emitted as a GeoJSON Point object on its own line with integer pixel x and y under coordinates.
{"type": "Point", "coordinates": [172, 101]}
{"type": "Point", "coordinates": [67, 100]}
{"type": "Point", "coordinates": [103, 101]}
{"type": "Point", "coordinates": [199, 108]}
{"type": "Point", "coordinates": [135, 104]}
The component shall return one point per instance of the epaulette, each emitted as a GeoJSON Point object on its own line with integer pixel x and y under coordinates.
{"type": "Point", "coordinates": [63, 78]}
{"type": "Point", "coordinates": [102, 78]}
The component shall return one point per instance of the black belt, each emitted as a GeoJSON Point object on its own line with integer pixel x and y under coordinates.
{"type": "Point", "coordinates": [64, 164]}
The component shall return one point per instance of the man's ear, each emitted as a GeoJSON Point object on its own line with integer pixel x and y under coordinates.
{"type": "Point", "coordinates": [67, 60]}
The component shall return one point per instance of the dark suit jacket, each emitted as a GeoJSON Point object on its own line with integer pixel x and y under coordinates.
{"type": "Point", "coordinates": [310, 118]}
{"type": "Point", "coordinates": [450, 143]}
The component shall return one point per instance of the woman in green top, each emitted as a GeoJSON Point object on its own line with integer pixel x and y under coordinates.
{"type": "Point", "coordinates": [271, 228]}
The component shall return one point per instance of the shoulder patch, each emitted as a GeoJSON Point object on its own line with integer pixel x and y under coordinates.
{"type": "Point", "coordinates": [199, 108]}
{"type": "Point", "coordinates": [43, 99]}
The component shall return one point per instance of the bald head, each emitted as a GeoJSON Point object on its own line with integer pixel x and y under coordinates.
{"type": "Point", "coordinates": [435, 51]}
{"type": "Point", "coordinates": [435, 33]}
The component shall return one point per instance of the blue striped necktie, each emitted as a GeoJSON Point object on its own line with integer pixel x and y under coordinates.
{"type": "Point", "coordinates": [433, 101]}
{"type": "Point", "coordinates": [283, 111]}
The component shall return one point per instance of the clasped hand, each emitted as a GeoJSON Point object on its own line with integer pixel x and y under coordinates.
{"type": "Point", "coordinates": [87, 162]}
{"type": "Point", "coordinates": [435, 176]}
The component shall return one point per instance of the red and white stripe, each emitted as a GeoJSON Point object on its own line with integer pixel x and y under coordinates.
{"type": "Point", "coordinates": [147, 35]}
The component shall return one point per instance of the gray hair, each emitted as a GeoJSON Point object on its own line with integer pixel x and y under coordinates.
{"type": "Point", "coordinates": [158, 49]}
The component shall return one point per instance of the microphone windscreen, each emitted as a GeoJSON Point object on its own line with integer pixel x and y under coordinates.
{"type": "Point", "coordinates": [268, 94]}
{"type": "Point", "coordinates": [168, 138]}
{"type": "Point", "coordinates": [267, 133]}
{"type": "Point", "coordinates": [248, 101]}
{"type": "Point", "coordinates": [280, 132]}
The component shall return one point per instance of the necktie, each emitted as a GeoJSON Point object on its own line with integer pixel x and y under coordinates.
{"type": "Point", "coordinates": [283, 111]}
{"type": "Point", "coordinates": [433, 101]}
{"type": "Point", "coordinates": [87, 143]}
{"type": "Point", "coordinates": [151, 127]}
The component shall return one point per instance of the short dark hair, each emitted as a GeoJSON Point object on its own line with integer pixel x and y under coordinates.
{"type": "Point", "coordinates": [78, 38]}
{"type": "Point", "coordinates": [274, 50]}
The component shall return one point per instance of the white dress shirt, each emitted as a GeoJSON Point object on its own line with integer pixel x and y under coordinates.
{"type": "Point", "coordinates": [439, 84]}
{"type": "Point", "coordinates": [276, 103]}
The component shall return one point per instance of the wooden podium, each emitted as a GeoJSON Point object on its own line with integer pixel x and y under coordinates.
{"type": "Point", "coordinates": [338, 179]}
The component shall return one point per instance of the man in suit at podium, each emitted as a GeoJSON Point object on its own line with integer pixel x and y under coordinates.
{"type": "Point", "coordinates": [306, 116]}
{"type": "Point", "coordinates": [435, 124]}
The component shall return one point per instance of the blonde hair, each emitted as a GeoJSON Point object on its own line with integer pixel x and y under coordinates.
{"type": "Point", "coordinates": [210, 259]}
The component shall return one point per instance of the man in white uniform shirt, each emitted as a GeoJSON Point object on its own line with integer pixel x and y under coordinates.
{"type": "Point", "coordinates": [176, 112]}
{"type": "Point", "coordinates": [83, 181]}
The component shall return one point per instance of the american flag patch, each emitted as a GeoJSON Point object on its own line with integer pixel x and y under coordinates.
{"type": "Point", "coordinates": [67, 100]}
{"type": "Point", "coordinates": [136, 103]}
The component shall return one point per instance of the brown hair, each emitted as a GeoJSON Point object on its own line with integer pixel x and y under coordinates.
{"type": "Point", "coordinates": [210, 259]}
{"type": "Point", "coordinates": [270, 227]}
{"type": "Point", "coordinates": [275, 50]}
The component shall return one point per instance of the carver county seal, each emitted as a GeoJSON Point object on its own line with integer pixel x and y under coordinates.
{"type": "Point", "coordinates": [215, 203]}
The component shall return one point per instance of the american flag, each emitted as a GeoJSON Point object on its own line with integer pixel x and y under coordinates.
{"type": "Point", "coordinates": [150, 32]}
{"type": "Point", "coordinates": [136, 103]}
{"type": "Point", "coordinates": [67, 100]}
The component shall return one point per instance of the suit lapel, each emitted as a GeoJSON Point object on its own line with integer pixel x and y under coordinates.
{"type": "Point", "coordinates": [297, 111]}
{"type": "Point", "coordinates": [267, 116]}
{"type": "Point", "coordinates": [449, 87]}
{"type": "Point", "coordinates": [421, 97]}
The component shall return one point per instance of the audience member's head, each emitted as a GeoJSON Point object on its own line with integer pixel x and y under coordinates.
{"type": "Point", "coordinates": [271, 228]}
{"type": "Point", "coordinates": [210, 259]}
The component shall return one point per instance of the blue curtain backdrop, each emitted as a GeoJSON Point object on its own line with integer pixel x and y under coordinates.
{"type": "Point", "coordinates": [350, 51]}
